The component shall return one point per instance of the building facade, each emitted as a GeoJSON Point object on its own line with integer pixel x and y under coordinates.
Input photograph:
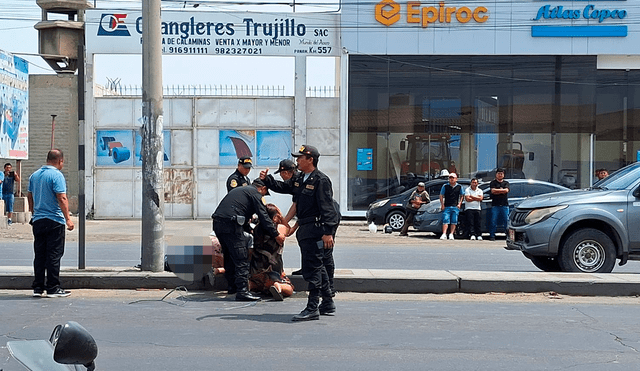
{"type": "Point", "coordinates": [546, 90]}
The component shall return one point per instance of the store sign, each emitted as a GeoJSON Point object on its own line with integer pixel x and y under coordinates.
{"type": "Point", "coordinates": [193, 33]}
{"type": "Point", "coordinates": [388, 12]}
{"type": "Point", "coordinates": [588, 14]}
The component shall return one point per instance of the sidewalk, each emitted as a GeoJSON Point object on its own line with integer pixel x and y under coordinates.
{"type": "Point", "coordinates": [346, 280]}
{"type": "Point", "coordinates": [358, 280]}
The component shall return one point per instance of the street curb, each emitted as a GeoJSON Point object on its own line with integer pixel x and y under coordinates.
{"type": "Point", "coordinates": [358, 280]}
{"type": "Point", "coordinates": [582, 284]}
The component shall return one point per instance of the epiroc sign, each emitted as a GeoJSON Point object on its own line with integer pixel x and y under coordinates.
{"type": "Point", "coordinates": [388, 12]}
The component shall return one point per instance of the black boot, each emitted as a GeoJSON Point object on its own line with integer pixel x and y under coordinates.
{"type": "Point", "coordinates": [246, 295]}
{"type": "Point", "coordinates": [327, 307]}
{"type": "Point", "coordinates": [309, 313]}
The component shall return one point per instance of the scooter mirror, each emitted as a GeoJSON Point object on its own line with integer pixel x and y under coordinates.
{"type": "Point", "coordinates": [73, 345]}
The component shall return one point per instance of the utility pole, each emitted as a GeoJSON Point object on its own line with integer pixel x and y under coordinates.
{"type": "Point", "coordinates": [53, 129]}
{"type": "Point", "coordinates": [152, 142]}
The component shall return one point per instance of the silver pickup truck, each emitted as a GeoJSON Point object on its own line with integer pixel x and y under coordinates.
{"type": "Point", "coordinates": [581, 230]}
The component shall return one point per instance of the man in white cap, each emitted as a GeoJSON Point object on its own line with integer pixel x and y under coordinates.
{"type": "Point", "coordinates": [451, 196]}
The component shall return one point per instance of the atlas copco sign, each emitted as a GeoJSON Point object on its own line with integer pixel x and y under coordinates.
{"type": "Point", "coordinates": [389, 12]}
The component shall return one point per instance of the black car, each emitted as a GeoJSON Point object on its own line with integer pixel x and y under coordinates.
{"type": "Point", "coordinates": [429, 217]}
{"type": "Point", "coordinates": [391, 210]}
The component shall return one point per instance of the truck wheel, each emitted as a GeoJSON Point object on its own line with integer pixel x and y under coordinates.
{"type": "Point", "coordinates": [396, 220]}
{"type": "Point", "coordinates": [587, 250]}
{"type": "Point", "coordinates": [545, 263]}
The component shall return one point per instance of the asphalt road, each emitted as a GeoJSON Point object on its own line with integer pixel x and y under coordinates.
{"type": "Point", "coordinates": [114, 243]}
{"type": "Point", "coordinates": [205, 331]}
{"type": "Point", "coordinates": [425, 253]}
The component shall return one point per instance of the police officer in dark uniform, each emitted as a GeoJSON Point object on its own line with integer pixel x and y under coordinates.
{"type": "Point", "coordinates": [318, 220]}
{"type": "Point", "coordinates": [287, 169]}
{"type": "Point", "coordinates": [288, 172]}
{"type": "Point", "coordinates": [231, 225]}
{"type": "Point", "coordinates": [239, 177]}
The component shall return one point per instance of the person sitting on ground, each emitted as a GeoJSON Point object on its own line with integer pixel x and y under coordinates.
{"type": "Point", "coordinates": [266, 266]}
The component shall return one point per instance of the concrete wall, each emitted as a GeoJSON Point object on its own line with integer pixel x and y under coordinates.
{"type": "Point", "coordinates": [53, 95]}
{"type": "Point", "coordinates": [323, 131]}
{"type": "Point", "coordinates": [195, 180]}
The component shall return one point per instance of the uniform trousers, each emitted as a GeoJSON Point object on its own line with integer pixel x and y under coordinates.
{"type": "Point", "coordinates": [317, 262]}
{"type": "Point", "coordinates": [235, 243]}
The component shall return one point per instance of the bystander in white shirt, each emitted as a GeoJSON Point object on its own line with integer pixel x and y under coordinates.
{"type": "Point", "coordinates": [473, 205]}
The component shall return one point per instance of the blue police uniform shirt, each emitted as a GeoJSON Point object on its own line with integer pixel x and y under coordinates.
{"type": "Point", "coordinates": [44, 185]}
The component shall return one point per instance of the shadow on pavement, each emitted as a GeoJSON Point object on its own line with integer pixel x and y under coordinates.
{"type": "Point", "coordinates": [266, 317]}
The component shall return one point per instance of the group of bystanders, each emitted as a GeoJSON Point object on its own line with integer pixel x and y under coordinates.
{"type": "Point", "coordinates": [452, 196]}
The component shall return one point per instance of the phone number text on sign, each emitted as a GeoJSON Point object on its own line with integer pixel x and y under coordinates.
{"type": "Point", "coordinates": [184, 50]}
{"type": "Point", "coordinates": [238, 51]}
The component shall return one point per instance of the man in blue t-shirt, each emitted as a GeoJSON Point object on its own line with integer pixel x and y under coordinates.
{"type": "Point", "coordinates": [451, 196]}
{"type": "Point", "coordinates": [50, 212]}
{"type": "Point", "coordinates": [10, 177]}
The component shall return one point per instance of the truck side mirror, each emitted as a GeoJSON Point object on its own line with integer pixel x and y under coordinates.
{"type": "Point", "coordinates": [636, 193]}
{"type": "Point", "coordinates": [531, 156]}
{"type": "Point", "coordinates": [402, 145]}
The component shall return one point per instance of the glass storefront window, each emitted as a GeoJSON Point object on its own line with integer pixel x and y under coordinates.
{"type": "Point", "coordinates": [536, 116]}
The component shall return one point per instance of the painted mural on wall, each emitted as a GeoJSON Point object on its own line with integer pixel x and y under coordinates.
{"type": "Point", "coordinates": [272, 147]}
{"type": "Point", "coordinates": [14, 107]}
{"type": "Point", "coordinates": [114, 148]}
{"type": "Point", "coordinates": [235, 144]}
{"type": "Point", "coordinates": [118, 148]}
{"type": "Point", "coordinates": [266, 147]}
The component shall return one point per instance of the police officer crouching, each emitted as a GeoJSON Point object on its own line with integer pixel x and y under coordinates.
{"type": "Point", "coordinates": [318, 220]}
{"type": "Point", "coordinates": [231, 225]}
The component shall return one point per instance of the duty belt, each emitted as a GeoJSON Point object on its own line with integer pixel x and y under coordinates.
{"type": "Point", "coordinates": [307, 220]}
{"type": "Point", "coordinates": [236, 219]}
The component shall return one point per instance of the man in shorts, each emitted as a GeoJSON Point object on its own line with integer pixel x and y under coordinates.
{"type": "Point", "coordinates": [451, 196]}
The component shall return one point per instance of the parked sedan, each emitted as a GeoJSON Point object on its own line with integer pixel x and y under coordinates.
{"type": "Point", "coordinates": [391, 210]}
{"type": "Point", "coordinates": [429, 217]}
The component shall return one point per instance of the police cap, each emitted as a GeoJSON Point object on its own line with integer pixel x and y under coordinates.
{"type": "Point", "coordinates": [245, 161]}
{"type": "Point", "coordinates": [286, 165]}
{"type": "Point", "coordinates": [307, 150]}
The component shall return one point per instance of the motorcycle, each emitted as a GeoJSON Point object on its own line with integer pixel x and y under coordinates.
{"type": "Point", "coordinates": [70, 347]}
